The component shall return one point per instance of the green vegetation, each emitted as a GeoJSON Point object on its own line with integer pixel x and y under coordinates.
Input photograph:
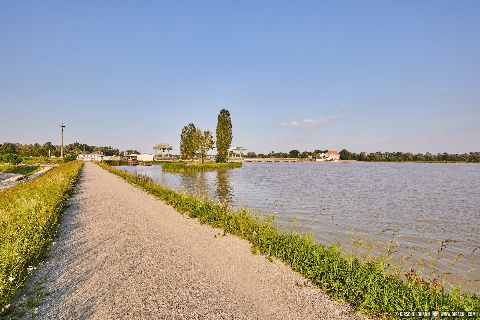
{"type": "Point", "coordinates": [10, 158]}
{"type": "Point", "coordinates": [25, 170]}
{"type": "Point", "coordinates": [69, 157]}
{"type": "Point", "coordinates": [194, 167]}
{"type": "Point", "coordinates": [291, 154]}
{"type": "Point", "coordinates": [376, 156]}
{"type": "Point", "coordinates": [48, 149]}
{"type": "Point", "coordinates": [408, 156]}
{"type": "Point", "coordinates": [43, 160]}
{"type": "Point", "coordinates": [195, 142]}
{"type": "Point", "coordinates": [224, 135]}
{"type": "Point", "coordinates": [365, 285]}
{"type": "Point", "coordinates": [116, 162]}
{"type": "Point", "coordinates": [188, 141]}
{"type": "Point", "coordinates": [29, 217]}
{"type": "Point", "coordinates": [205, 143]}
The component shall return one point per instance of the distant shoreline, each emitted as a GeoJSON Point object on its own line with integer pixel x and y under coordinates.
{"type": "Point", "coordinates": [339, 161]}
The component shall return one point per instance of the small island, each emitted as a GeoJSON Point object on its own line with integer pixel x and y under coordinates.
{"type": "Point", "coordinates": [198, 166]}
{"type": "Point", "coordinates": [195, 144]}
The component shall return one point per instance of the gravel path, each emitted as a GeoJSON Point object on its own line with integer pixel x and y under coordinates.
{"type": "Point", "coordinates": [121, 253]}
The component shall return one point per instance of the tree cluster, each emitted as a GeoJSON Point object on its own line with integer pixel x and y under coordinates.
{"type": "Point", "coordinates": [291, 154]}
{"type": "Point", "coordinates": [195, 143]}
{"type": "Point", "coordinates": [408, 156]}
{"type": "Point", "coordinates": [376, 156]}
{"type": "Point", "coordinates": [46, 149]}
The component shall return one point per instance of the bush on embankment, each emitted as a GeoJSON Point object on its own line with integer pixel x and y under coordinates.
{"type": "Point", "coordinates": [29, 217]}
{"type": "Point", "coordinates": [116, 162]}
{"type": "Point", "coordinates": [365, 285]}
{"type": "Point", "coordinates": [197, 167]}
{"type": "Point", "coordinates": [11, 158]}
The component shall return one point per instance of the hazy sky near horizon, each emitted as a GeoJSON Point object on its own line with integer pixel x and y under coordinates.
{"type": "Point", "coordinates": [361, 75]}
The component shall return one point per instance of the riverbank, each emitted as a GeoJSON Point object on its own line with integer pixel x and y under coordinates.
{"type": "Point", "coordinates": [122, 253]}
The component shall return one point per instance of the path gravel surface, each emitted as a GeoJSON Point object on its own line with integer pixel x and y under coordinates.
{"type": "Point", "coordinates": [123, 254]}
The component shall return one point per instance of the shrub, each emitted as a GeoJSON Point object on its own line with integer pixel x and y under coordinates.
{"type": "Point", "coordinates": [69, 157]}
{"type": "Point", "coordinates": [10, 158]}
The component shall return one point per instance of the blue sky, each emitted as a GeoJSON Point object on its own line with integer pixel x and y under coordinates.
{"type": "Point", "coordinates": [361, 75]}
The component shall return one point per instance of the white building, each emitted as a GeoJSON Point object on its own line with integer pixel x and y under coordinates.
{"type": "Point", "coordinates": [145, 157]}
{"type": "Point", "coordinates": [237, 152]}
{"type": "Point", "coordinates": [90, 157]}
{"type": "Point", "coordinates": [330, 155]}
{"type": "Point", "coordinates": [162, 150]}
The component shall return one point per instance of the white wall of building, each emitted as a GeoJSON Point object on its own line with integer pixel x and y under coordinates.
{"type": "Point", "coordinates": [90, 157]}
{"type": "Point", "coordinates": [145, 157]}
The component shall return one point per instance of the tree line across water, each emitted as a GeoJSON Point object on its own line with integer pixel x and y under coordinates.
{"type": "Point", "coordinates": [408, 156]}
{"type": "Point", "coordinates": [196, 143]}
{"type": "Point", "coordinates": [375, 156]}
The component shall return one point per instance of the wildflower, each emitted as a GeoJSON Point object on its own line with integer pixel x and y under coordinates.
{"type": "Point", "coordinates": [7, 306]}
{"type": "Point", "coordinates": [11, 278]}
{"type": "Point", "coordinates": [30, 268]}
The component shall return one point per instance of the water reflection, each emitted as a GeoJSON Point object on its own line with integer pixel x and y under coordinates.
{"type": "Point", "coordinates": [196, 183]}
{"type": "Point", "coordinates": [224, 190]}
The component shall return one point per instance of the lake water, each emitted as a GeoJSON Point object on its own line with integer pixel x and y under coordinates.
{"type": "Point", "coordinates": [426, 215]}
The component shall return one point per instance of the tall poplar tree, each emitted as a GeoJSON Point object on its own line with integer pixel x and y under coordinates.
{"type": "Point", "coordinates": [224, 135]}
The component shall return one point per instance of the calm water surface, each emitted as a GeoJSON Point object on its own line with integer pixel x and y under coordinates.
{"type": "Point", "coordinates": [428, 213]}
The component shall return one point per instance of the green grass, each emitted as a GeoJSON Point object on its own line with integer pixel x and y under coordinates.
{"type": "Point", "coordinates": [195, 167]}
{"type": "Point", "coordinates": [29, 217]}
{"type": "Point", "coordinates": [25, 170]}
{"type": "Point", "coordinates": [365, 285]}
{"type": "Point", "coordinates": [44, 160]}
{"type": "Point", "coordinates": [116, 162]}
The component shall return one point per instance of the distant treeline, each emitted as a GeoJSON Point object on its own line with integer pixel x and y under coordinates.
{"type": "Point", "coordinates": [375, 156]}
{"type": "Point", "coordinates": [408, 156]}
{"type": "Point", "coordinates": [291, 154]}
{"type": "Point", "coordinates": [9, 149]}
{"type": "Point", "coordinates": [42, 150]}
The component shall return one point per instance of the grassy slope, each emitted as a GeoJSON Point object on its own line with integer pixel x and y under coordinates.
{"type": "Point", "coordinates": [365, 285]}
{"type": "Point", "coordinates": [194, 167]}
{"type": "Point", "coordinates": [35, 160]}
{"type": "Point", "coordinates": [29, 217]}
{"type": "Point", "coordinates": [25, 170]}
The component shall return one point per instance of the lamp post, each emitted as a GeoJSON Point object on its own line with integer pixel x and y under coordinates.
{"type": "Point", "coordinates": [62, 125]}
